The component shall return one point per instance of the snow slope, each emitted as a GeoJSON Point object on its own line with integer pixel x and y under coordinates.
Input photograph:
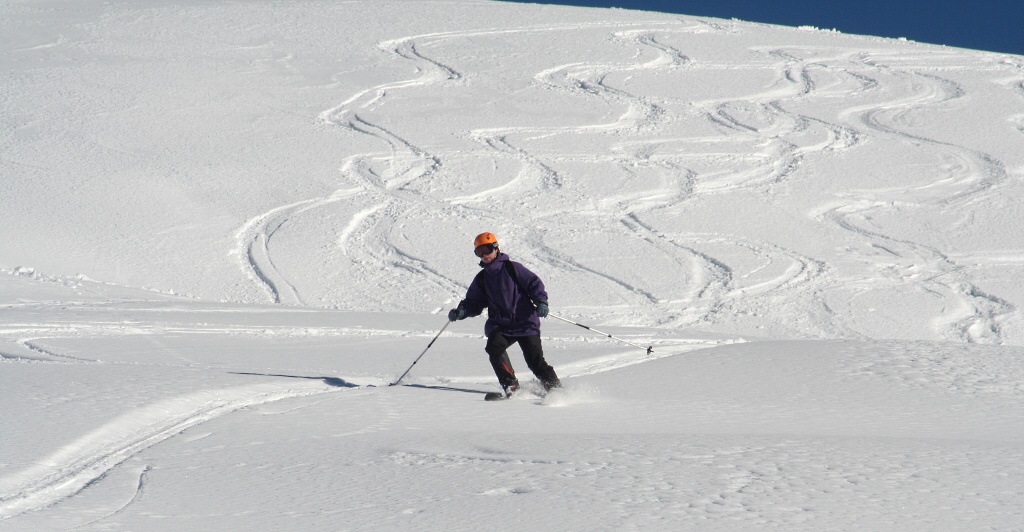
{"type": "Point", "coordinates": [228, 227]}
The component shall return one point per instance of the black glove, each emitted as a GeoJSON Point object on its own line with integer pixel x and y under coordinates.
{"type": "Point", "coordinates": [456, 314]}
{"type": "Point", "coordinates": [542, 309]}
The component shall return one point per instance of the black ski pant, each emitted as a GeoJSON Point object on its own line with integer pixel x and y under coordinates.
{"type": "Point", "coordinates": [533, 352]}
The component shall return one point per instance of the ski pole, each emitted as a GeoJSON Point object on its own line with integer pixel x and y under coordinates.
{"type": "Point", "coordinates": [650, 348]}
{"type": "Point", "coordinates": [421, 354]}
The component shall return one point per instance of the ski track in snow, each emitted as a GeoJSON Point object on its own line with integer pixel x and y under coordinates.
{"type": "Point", "coordinates": [88, 459]}
{"type": "Point", "coordinates": [254, 240]}
{"type": "Point", "coordinates": [387, 183]}
{"type": "Point", "coordinates": [970, 178]}
{"type": "Point", "coordinates": [85, 461]}
{"type": "Point", "coordinates": [140, 487]}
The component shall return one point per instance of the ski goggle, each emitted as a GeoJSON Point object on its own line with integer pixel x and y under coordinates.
{"type": "Point", "coordinates": [485, 249]}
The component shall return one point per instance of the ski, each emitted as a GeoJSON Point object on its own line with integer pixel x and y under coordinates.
{"type": "Point", "coordinates": [500, 396]}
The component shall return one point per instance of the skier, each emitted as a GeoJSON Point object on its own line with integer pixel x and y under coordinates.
{"type": "Point", "coordinates": [514, 298]}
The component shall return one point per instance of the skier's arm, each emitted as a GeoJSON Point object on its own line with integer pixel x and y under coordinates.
{"type": "Point", "coordinates": [532, 284]}
{"type": "Point", "coordinates": [476, 298]}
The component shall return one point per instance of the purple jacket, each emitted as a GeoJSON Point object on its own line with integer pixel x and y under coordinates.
{"type": "Point", "coordinates": [509, 311]}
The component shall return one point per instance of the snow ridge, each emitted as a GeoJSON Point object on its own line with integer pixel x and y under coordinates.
{"type": "Point", "coordinates": [86, 460]}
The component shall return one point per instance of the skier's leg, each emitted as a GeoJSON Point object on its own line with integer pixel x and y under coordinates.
{"type": "Point", "coordinates": [496, 350]}
{"type": "Point", "coordinates": [533, 352]}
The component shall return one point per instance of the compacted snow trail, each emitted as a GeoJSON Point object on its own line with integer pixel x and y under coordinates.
{"type": "Point", "coordinates": [86, 460]}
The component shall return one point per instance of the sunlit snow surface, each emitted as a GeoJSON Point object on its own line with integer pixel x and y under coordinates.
{"type": "Point", "coordinates": [228, 227]}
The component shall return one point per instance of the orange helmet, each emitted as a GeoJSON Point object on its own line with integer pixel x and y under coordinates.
{"type": "Point", "coordinates": [483, 239]}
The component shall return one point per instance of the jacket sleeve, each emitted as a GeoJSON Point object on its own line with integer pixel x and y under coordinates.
{"type": "Point", "coordinates": [476, 297]}
{"type": "Point", "coordinates": [531, 283]}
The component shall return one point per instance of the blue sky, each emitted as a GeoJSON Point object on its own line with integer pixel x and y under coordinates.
{"type": "Point", "coordinates": [993, 25]}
